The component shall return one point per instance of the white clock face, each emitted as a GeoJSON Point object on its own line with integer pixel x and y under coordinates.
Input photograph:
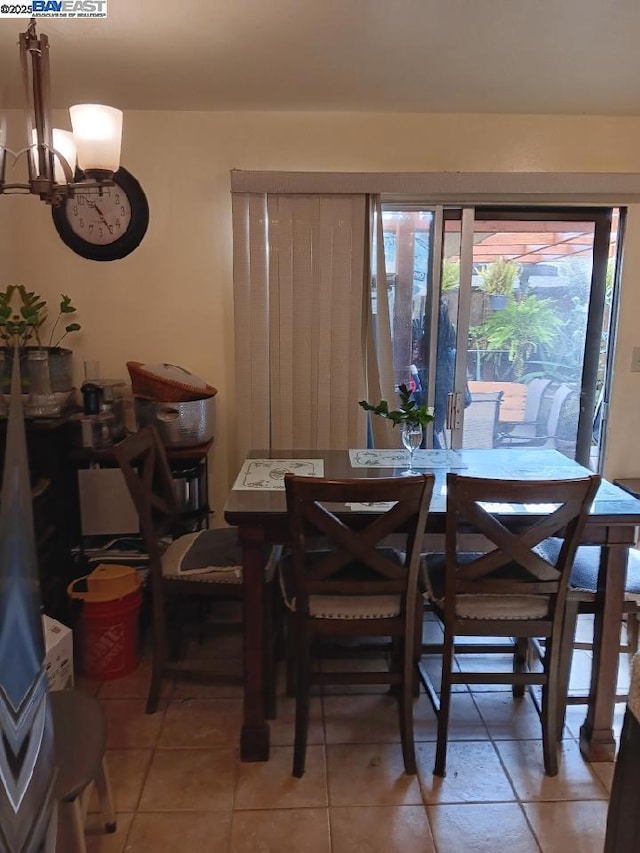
{"type": "Point", "coordinates": [99, 217]}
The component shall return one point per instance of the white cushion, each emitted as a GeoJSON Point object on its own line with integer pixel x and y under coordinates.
{"type": "Point", "coordinates": [481, 606]}
{"type": "Point", "coordinates": [353, 607]}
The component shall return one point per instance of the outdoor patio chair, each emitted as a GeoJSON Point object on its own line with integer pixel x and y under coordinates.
{"type": "Point", "coordinates": [542, 431]}
{"type": "Point", "coordinates": [481, 419]}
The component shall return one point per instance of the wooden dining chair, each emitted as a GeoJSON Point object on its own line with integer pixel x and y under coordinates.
{"type": "Point", "coordinates": [506, 589]}
{"type": "Point", "coordinates": [353, 586]}
{"type": "Point", "coordinates": [185, 568]}
{"type": "Point", "coordinates": [582, 598]}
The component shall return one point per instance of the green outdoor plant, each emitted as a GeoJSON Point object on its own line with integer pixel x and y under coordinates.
{"type": "Point", "coordinates": [519, 329]}
{"type": "Point", "coordinates": [22, 323]}
{"type": "Point", "coordinates": [409, 411]}
{"type": "Point", "coordinates": [450, 275]}
{"type": "Point", "coordinates": [499, 277]}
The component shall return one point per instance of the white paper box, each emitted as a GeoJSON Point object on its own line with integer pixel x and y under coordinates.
{"type": "Point", "coordinates": [58, 641]}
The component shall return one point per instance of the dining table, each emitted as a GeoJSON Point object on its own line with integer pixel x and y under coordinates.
{"type": "Point", "coordinates": [256, 505]}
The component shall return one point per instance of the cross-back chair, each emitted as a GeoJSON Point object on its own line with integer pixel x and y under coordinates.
{"type": "Point", "coordinates": [184, 567]}
{"type": "Point", "coordinates": [507, 589]}
{"type": "Point", "coordinates": [354, 586]}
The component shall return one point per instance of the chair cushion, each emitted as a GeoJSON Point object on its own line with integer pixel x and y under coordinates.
{"type": "Point", "coordinates": [482, 605]}
{"type": "Point", "coordinates": [584, 573]}
{"type": "Point", "coordinates": [209, 556]}
{"type": "Point", "coordinates": [342, 606]}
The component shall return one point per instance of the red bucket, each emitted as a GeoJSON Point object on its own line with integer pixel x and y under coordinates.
{"type": "Point", "coordinates": [108, 626]}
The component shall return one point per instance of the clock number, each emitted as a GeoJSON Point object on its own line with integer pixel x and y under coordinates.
{"type": "Point", "coordinates": [100, 232]}
{"type": "Point", "coordinates": [75, 209]}
{"type": "Point", "coordinates": [117, 198]}
{"type": "Point", "coordinates": [90, 227]}
{"type": "Point", "coordinates": [122, 210]}
{"type": "Point", "coordinates": [81, 222]}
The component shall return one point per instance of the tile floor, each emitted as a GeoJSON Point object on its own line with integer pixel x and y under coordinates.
{"type": "Point", "coordinates": [179, 786]}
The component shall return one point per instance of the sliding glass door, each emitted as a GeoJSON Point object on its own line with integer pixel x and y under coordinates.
{"type": "Point", "coordinates": [501, 319]}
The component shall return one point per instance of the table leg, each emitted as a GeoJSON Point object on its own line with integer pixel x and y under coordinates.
{"type": "Point", "coordinates": [254, 738]}
{"type": "Point", "coordinates": [597, 742]}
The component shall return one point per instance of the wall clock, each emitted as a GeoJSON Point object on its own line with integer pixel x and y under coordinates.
{"type": "Point", "coordinates": [104, 225]}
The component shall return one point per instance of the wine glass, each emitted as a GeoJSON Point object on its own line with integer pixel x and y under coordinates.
{"type": "Point", "coordinates": [412, 435]}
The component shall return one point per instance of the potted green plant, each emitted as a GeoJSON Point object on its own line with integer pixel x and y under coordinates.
{"type": "Point", "coordinates": [497, 280]}
{"type": "Point", "coordinates": [23, 316]}
{"type": "Point", "coordinates": [519, 329]}
{"type": "Point", "coordinates": [412, 417]}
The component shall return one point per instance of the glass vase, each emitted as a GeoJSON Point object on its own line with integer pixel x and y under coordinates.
{"type": "Point", "coordinates": [412, 435]}
{"type": "Point", "coordinates": [42, 401]}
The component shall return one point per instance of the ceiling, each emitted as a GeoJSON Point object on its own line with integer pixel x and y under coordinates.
{"type": "Point", "coordinates": [454, 56]}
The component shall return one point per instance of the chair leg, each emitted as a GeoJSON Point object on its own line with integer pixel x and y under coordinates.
{"type": "Point", "coordinates": [405, 707]}
{"type": "Point", "coordinates": [103, 787]}
{"type": "Point", "coordinates": [75, 811]}
{"type": "Point", "coordinates": [268, 651]}
{"type": "Point", "coordinates": [445, 703]}
{"type": "Point", "coordinates": [564, 666]}
{"type": "Point", "coordinates": [632, 632]}
{"type": "Point", "coordinates": [303, 688]}
{"type": "Point", "coordinates": [549, 715]}
{"type": "Point", "coordinates": [159, 662]}
{"type": "Point", "coordinates": [520, 664]}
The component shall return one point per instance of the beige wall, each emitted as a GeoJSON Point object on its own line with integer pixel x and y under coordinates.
{"type": "Point", "coordinates": [171, 300]}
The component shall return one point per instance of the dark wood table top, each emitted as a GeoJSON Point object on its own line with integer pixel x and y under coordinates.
{"type": "Point", "coordinates": [612, 504]}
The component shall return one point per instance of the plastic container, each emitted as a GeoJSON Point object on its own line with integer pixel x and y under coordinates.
{"type": "Point", "coordinates": [108, 627]}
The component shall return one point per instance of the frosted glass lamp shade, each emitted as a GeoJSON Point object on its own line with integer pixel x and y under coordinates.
{"type": "Point", "coordinates": [63, 143]}
{"type": "Point", "coordinates": [97, 132]}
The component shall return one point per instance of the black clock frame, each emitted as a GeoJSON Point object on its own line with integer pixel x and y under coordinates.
{"type": "Point", "coordinates": [127, 242]}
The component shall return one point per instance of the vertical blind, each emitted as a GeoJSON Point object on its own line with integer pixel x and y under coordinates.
{"type": "Point", "coordinates": [301, 289]}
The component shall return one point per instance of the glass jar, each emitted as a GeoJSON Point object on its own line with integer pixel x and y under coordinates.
{"type": "Point", "coordinates": [42, 401]}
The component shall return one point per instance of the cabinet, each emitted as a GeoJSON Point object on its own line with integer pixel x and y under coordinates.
{"type": "Point", "coordinates": [54, 504]}
{"type": "Point", "coordinates": [54, 462]}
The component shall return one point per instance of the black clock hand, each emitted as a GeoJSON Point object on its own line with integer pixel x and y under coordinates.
{"type": "Point", "coordinates": [101, 215]}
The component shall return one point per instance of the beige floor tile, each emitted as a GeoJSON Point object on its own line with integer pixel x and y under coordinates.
{"type": "Point", "coordinates": [373, 719]}
{"type": "Point", "coordinates": [575, 780]}
{"type": "Point", "coordinates": [100, 842]}
{"type": "Point", "coordinates": [282, 728]}
{"type": "Point", "coordinates": [281, 831]}
{"type": "Point", "coordinates": [135, 685]}
{"type": "Point", "coordinates": [474, 774]}
{"type": "Point", "coordinates": [507, 718]}
{"type": "Point", "coordinates": [465, 721]}
{"type": "Point", "coordinates": [604, 770]}
{"type": "Point", "coordinates": [356, 665]}
{"type": "Point", "coordinates": [386, 829]}
{"type": "Point", "coordinates": [128, 726]}
{"type": "Point", "coordinates": [370, 775]}
{"type": "Point", "coordinates": [492, 663]}
{"type": "Point", "coordinates": [201, 723]}
{"type": "Point", "coordinates": [431, 665]}
{"type": "Point", "coordinates": [168, 832]}
{"type": "Point", "coordinates": [190, 780]}
{"type": "Point", "coordinates": [580, 678]}
{"type": "Point", "coordinates": [87, 685]}
{"type": "Point", "coordinates": [481, 828]}
{"type": "Point", "coordinates": [577, 826]}
{"type": "Point", "coordinates": [127, 769]}
{"type": "Point", "coordinates": [96, 839]}
{"type": "Point", "coordinates": [215, 679]}
{"type": "Point", "coordinates": [226, 645]}
{"type": "Point", "coordinates": [270, 785]}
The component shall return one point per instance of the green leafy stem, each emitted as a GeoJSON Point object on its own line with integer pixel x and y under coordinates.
{"type": "Point", "coordinates": [409, 411]}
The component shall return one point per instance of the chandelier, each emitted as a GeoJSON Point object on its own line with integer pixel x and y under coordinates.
{"type": "Point", "coordinates": [53, 154]}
